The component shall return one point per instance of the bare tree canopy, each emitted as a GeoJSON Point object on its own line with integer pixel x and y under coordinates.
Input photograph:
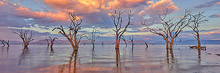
{"type": "Point", "coordinates": [48, 43]}
{"type": "Point", "coordinates": [73, 29]}
{"type": "Point", "coordinates": [170, 28]}
{"type": "Point", "coordinates": [26, 39]}
{"type": "Point", "coordinates": [197, 19]}
{"type": "Point", "coordinates": [117, 19]}
{"type": "Point", "coordinates": [52, 39]}
{"type": "Point", "coordinates": [93, 37]}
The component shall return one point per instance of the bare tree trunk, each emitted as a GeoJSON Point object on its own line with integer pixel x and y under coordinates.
{"type": "Point", "coordinates": [171, 47]}
{"type": "Point", "coordinates": [117, 43]}
{"type": "Point", "coordinates": [93, 45]}
{"type": "Point", "coordinates": [102, 43]}
{"type": "Point", "coordinates": [72, 44]}
{"type": "Point", "coordinates": [199, 44]}
{"type": "Point", "coordinates": [146, 44]}
{"type": "Point", "coordinates": [117, 57]}
{"type": "Point", "coordinates": [51, 48]}
{"type": "Point", "coordinates": [25, 45]}
{"type": "Point", "coordinates": [76, 43]}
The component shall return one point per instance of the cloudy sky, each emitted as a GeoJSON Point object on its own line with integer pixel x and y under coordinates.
{"type": "Point", "coordinates": [41, 16]}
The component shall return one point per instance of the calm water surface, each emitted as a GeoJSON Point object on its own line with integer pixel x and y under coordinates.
{"type": "Point", "coordinates": [38, 59]}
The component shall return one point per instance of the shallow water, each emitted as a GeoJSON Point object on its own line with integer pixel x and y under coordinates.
{"type": "Point", "coordinates": [38, 59]}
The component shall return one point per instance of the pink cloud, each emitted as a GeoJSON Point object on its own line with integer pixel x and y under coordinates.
{"type": "Point", "coordinates": [210, 33]}
{"type": "Point", "coordinates": [2, 3]}
{"type": "Point", "coordinates": [218, 3]}
{"type": "Point", "coordinates": [92, 6]}
{"type": "Point", "coordinates": [81, 6]}
{"type": "Point", "coordinates": [159, 7]}
{"type": "Point", "coordinates": [26, 12]}
{"type": "Point", "coordinates": [215, 16]}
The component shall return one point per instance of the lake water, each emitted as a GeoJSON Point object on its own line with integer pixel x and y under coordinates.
{"type": "Point", "coordinates": [38, 59]}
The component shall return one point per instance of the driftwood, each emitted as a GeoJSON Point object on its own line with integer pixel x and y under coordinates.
{"type": "Point", "coordinates": [196, 47]}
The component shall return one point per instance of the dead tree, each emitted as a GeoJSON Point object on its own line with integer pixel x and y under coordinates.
{"type": "Point", "coordinates": [146, 44]}
{"type": "Point", "coordinates": [116, 17]}
{"type": "Point", "coordinates": [132, 41]}
{"type": "Point", "coordinates": [48, 43]}
{"type": "Point", "coordinates": [170, 29]}
{"type": "Point", "coordinates": [26, 39]}
{"type": "Point", "coordinates": [73, 29]}
{"type": "Point", "coordinates": [94, 36]}
{"type": "Point", "coordinates": [3, 42]}
{"type": "Point", "coordinates": [7, 43]}
{"type": "Point", "coordinates": [102, 43]}
{"type": "Point", "coordinates": [52, 42]}
{"type": "Point", "coordinates": [197, 19]}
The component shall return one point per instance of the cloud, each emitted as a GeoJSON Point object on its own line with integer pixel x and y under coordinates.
{"type": "Point", "coordinates": [218, 3]}
{"type": "Point", "coordinates": [91, 6]}
{"type": "Point", "coordinates": [15, 15]}
{"type": "Point", "coordinates": [215, 16]}
{"type": "Point", "coordinates": [80, 6]}
{"type": "Point", "coordinates": [117, 4]}
{"type": "Point", "coordinates": [27, 13]}
{"type": "Point", "coordinates": [159, 7]}
{"type": "Point", "coordinates": [207, 4]}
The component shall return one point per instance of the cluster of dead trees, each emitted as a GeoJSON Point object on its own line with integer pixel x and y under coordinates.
{"type": "Point", "coordinates": [5, 42]}
{"type": "Point", "coordinates": [169, 29]}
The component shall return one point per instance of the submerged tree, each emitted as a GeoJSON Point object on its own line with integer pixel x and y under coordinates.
{"type": "Point", "coordinates": [3, 42]}
{"type": "Point", "coordinates": [132, 41]}
{"type": "Point", "coordinates": [170, 29]}
{"type": "Point", "coordinates": [7, 43]}
{"type": "Point", "coordinates": [197, 19]}
{"type": "Point", "coordinates": [48, 43]}
{"type": "Point", "coordinates": [146, 44]}
{"type": "Point", "coordinates": [94, 37]}
{"type": "Point", "coordinates": [26, 39]}
{"type": "Point", "coordinates": [73, 29]}
{"type": "Point", "coordinates": [117, 19]}
{"type": "Point", "coordinates": [52, 42]}
{"type": "Point", "coordinates": [103, 43]}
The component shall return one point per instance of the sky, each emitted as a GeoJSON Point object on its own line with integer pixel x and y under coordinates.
{"type": "Point", "coordinates": [41, 16]}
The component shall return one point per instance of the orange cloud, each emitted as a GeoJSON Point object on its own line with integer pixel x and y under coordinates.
{"type": "Point", "coordinates": [26, 12]}
{"type": "Point", "coordinates": [2, 3]}
{"type": "Point", "coordinates": [159, 7]}
{"type": "Point", "coordinates": [91, 6]}
{"type": "Point", "coordinates": [81, 6]}
{"type": "Point", "coordinates": [218, 3]}
{"type": "Point", "coordinates": [210, 33]}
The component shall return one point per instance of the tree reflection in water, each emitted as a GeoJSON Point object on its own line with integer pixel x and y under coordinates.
{"type": "Point", "coordinates": [23, 56]}
{"type": "Point", "coordinates": [69, 65]}
{"type": "Point", "coordinates": [118, 62]}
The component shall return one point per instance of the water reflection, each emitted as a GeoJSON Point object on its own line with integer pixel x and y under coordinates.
{"type": "Point", "coordinates": [71, 67]}
{"type": "Point", "coordinates": [106, 59]}
{"type": "Point", "coordinates": [118, 61]}
{"type": "Point", "coordinates": [51, 51]}
{"type": "Point", "coordinates": [23, 56]}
